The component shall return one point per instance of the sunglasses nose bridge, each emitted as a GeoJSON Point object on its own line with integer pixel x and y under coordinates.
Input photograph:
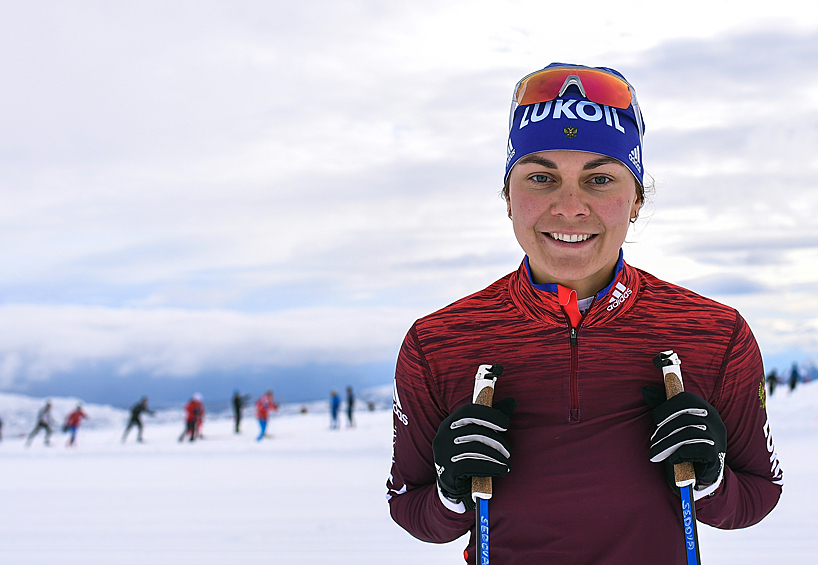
{"type": "Point", "coordinates": [573, 80]}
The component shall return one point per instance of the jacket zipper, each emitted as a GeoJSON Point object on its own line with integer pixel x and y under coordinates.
{"type": "Point", "coordinates": [574, 414]}
{"type": "Point", "coordinates": [568, 301]}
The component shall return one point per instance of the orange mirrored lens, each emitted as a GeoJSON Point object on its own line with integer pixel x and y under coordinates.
{"type": "Point", "coordinates": [600, 87]}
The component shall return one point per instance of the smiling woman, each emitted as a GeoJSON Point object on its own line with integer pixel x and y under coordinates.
{"type": "Point", "coordinates": [571, 211]}
{"type": "Point", "coordinates": [577, 332]}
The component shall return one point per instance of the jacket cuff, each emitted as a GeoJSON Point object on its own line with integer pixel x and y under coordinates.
{"type": "Point", "coordinates": [453, 505]}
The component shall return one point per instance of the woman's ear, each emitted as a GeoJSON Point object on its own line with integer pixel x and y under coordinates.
{"type": "Point", "coordinates": [636, 206]}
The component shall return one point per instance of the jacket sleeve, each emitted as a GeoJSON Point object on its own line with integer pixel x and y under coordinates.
{"type": "Point", "coordinates": [412, 485]}
{"type": "Point", "coordinates": [752, 475]}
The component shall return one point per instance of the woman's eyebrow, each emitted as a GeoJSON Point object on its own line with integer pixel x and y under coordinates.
{"type": "Point", "coordinates": [537, 160]}
{"type": "Point", "coordinates": [599, 162]}
{"type": "Point", "coordinates": [548, 164]}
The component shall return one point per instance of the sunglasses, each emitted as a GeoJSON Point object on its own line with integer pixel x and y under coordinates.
{"type": "Point", "coordinates": [596, 85]}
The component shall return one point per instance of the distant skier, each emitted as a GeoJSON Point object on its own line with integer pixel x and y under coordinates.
{"type": "Point", "coordinates": [794, 377]}
{"type": "Point", "coordinates": [264, 405]}
{"type": "Point", "coordinates": [1, 430]}
{"type": "Point", "coordinates": [239, 401]}
{"type": "Point", "coordinates": [334, 406]}
{"type": "Point", "coordinates": [44, 422]}
{"type": "Point", "coordinates": [194, 416]}
{"type": "Point", "coordinates": [72, 423]}
{"type": "Point", "coordinates": [136, 418]}
{"type": "Point", "coordinates": [772, 380]}
{"type": "Point", "coordinates": [350, 407]}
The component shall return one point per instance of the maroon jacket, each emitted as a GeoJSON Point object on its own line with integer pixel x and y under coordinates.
{"type": "Point", "coordinates": [581, 488]}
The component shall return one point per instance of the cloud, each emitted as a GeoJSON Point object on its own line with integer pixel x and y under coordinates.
{"type": "Point", "coordinates": [40, 341]}
{"type": "Point", "coordinates": [718, 285]}
{"type": "Point", "coordinates": [193, 186]}
{"type": "Point", "coordinates": [749, 250]}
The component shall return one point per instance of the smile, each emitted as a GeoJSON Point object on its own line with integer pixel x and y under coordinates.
{"type": "Point", "coordinates": [570, 238]}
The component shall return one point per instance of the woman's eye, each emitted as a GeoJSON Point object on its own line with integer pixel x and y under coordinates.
{"type": "Point", "coordinates": [540, 178]}
{"type": "Point", "coordinates": [599, 180]}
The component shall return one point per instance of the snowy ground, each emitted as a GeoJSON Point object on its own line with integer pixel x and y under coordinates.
{"type": "Point", "coordinates": [307, 496]}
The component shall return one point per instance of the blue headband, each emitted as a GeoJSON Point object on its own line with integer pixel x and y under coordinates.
{"type": "Point", "coordinates": [574, 123]}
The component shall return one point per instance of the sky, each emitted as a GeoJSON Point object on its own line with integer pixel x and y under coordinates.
{"type": "Point", "coordinates": [209, 194]}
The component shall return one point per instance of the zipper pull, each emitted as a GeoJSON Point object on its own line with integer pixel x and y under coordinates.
{"type": "Point", "coordinates": [568, 301]}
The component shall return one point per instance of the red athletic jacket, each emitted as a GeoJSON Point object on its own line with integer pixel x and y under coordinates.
{"type": "Point", "coordinates": [194, 411]}
{"type": "Point", "coordinates": [581, 488]}
{"type": "Point", "coordinates": [264, 404]}
{"type": "Point", "coordinates": [74, 419]}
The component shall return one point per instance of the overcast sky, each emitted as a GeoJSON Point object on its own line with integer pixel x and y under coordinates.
{"type": "Point", "coordinates": [196, 187]}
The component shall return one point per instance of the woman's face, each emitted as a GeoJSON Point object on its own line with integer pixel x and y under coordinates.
{"type": "Point", "coordinates": [571, 211]}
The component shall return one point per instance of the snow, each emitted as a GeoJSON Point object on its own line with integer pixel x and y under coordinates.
{"type": "Point", "coordinates": [307, 495]}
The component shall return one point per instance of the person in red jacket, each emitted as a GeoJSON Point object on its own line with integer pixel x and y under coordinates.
{"type": "Point", "coordinates": [194, 417]}
{"type": "Point", "coordinates": [582, 443]}
{"type": "Point", "coordinates": [264, 405]}
{"type": "Point", "coordinates": [72, 423]}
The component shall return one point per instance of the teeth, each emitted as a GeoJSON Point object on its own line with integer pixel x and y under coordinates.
{"type": "Point", "coordinates": [572, 238]}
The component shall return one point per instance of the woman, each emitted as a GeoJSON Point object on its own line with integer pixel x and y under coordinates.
{"type": "Point", "coordinates": [580, 479]}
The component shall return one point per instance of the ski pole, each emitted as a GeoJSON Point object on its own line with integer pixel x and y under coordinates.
{"type": "Point", "coordinates": [484, 382]}
{"type": "Point", "coordinates": [684, 473]}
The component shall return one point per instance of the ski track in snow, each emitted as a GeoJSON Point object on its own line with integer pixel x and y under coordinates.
{"type": "Point", "coordinates": [308, 495]}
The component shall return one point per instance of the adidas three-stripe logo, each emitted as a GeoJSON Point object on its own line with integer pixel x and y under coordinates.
{"type": "Point", "coordinates": [635, 158]}
{"type": "Point", "coordinates": [618, 296]}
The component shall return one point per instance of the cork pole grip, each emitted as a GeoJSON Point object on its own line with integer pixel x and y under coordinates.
{"type": "Point", "coordinates": [684, 473]}
{"type": "Point", "coordinates": [483, 484]}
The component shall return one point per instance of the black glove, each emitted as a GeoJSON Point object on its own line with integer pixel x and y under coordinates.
{"type": "Point", "coordinates": [688, 428]}
{"type": "Point", "coordinates": [469, 443]}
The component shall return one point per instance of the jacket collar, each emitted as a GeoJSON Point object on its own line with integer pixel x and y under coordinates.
{"type": "Point", "coordinates": [541, 302]}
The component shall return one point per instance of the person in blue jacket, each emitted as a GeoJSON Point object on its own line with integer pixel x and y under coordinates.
{"type": "Point", "coordinates": [334, 407]}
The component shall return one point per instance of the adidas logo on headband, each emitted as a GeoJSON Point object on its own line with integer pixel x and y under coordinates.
{"type": "Point", "coordinates": [634, 157]}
